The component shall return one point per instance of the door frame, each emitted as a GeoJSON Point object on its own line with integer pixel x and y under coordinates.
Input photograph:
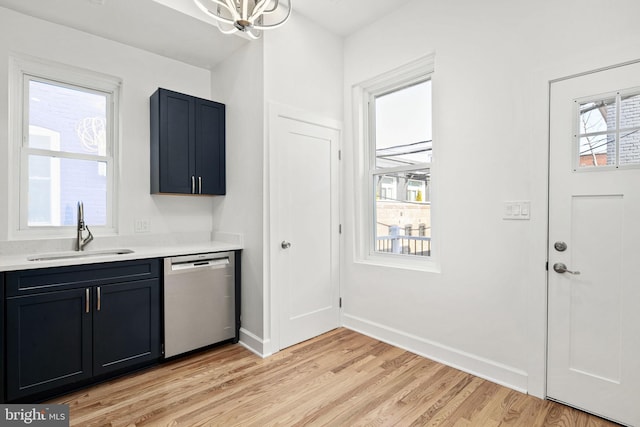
{"type": "Point", "coordinates": [272, 294]}
{"type": "Point", "coordinates": [538, 384]}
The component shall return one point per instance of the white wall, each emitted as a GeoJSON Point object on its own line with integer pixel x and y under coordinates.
{"type": "Point", "coordinates": [303, 68]}
{"type": "Point", "coordinates": [485, 310]}
{"type": "Point", "coordinates": [141, 73]}
{"type": "Point", "coordinates": [238, 82]}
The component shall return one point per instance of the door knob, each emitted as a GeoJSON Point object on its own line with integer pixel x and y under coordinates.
{"type": "Point", "coordinates": [285, 245]}
{"type": "Point", "coordinates": [559, 267]}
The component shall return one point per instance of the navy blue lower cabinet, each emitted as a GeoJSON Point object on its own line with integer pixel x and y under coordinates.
{"type": "Point", "coordinates": [67, 327]}
{"type": "Point", "coordinates": [48, 342]}
{"type": "Point", "coordinates": [2, 339]}
{"type": "Point", "coordinates": [126, 325]}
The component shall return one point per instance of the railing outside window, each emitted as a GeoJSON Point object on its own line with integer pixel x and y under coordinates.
{"type": "Point", "coordinates": [401, 241]}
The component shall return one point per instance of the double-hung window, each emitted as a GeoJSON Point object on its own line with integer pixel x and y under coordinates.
{"type": "Point", "coordinates": [66, 147]}
{"type": "Point", "coordinates": [397, 154]}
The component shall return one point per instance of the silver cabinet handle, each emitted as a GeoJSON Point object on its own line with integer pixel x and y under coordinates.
{"type": "Point", "coordinates": [199, 185]}
{"type": "Point", "coordinates": [193, 184]}
{"type": "Point", "coordinates": [99, 302]}
{"type": "Point", "coordinates": [285, 245]}
{"type": "Point", "coordinates": [560, 267]}
{"type": "Point", "coordinates": [86, 300]}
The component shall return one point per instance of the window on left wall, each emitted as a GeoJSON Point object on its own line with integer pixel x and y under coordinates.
{"type": "Point", "coordinates": [67, 145]}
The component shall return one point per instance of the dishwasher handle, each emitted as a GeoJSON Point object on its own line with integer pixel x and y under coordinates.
{"type": "Point", "coordinates": [205, 263]}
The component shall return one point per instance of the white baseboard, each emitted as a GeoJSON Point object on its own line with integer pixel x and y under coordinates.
{"type": "Point", "coordinates": [254, 344]}
{"type": "Point", "coordinates": [470, 363]}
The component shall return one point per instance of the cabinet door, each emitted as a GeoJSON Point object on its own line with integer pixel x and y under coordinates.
{"type": "Point", "coordinates": [210, 147]}
{"type": "Point", "coordinates": [2, 341]}
{"type": "Point", "coordinates": [176, 143]}
{"type": "Point", "coordinates": [126, 325]}
{"type": "Point", "coordinates": [48, 341]}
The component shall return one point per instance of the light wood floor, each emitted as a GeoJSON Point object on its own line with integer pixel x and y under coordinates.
{"type": "Point", "coordinates": [341, 378]}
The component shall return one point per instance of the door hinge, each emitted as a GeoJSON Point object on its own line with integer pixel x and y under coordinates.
{"type": "Point", "coordinates": [162, 349]}
{"type": "Point", "coordinates": [546, 267]}
{"type": "Point", "coordinates": [339, 154]}
{"type": "Point", "coordinates": [340, 228]}
{"type": "Point", "coordinates": [340, 302]}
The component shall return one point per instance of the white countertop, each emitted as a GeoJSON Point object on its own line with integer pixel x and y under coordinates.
{"type": "Point", "coordinates": [19, 261]}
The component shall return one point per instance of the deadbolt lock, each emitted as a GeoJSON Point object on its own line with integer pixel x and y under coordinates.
{"type": "Point", "coordinates": [560, 246]}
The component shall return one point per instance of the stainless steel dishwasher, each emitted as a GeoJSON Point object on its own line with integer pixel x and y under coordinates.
{"type": "Point", "coordinates": [199, 301]}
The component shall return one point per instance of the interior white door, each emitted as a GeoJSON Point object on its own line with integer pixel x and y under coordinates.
{"type": "Point", "coordinates": [594, 210]}
{"type": "Point", "coordinates": [306, 234]}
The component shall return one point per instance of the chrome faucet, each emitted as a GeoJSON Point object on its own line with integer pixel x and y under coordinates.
{"type": "Point", "coordinates": [82, 242]}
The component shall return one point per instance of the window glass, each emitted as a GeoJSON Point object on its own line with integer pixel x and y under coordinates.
{"type": "Point", "coordinates": [609, 131]}
{"type": "Point", "coordinates": [68, 152]}
{"type": "Point", "coordinates": [403, 126]}
{"type": "Point", "coordinates": [402, 173]}
{"type": "Point", "coordinates": [79, 116]}
{"type": "Point", "coordinates": [630, 111]}
{"type": "Point", "coordinates": [403, 225]}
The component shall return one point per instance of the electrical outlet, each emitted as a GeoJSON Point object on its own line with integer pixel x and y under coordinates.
{"type": "Point", "coordinates": [141, 225]}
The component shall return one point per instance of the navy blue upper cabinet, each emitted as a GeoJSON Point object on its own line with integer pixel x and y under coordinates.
{"type": "Point", "coordinates": [187, 144]}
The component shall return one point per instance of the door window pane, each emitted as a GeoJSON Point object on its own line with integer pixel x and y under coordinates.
{"type": "Point", "coordinates": [609, 131]}
{"type": "Point", "coordinates": [597, 116]}
{"type": "Point", "coordinates": [598, 150]}
{"type": "Point", "coordinates": [630, 111]}
{"type": "Point", "coordinates": [629, 147]}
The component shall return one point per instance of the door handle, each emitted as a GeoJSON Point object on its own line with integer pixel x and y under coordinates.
{"type": "Point", "coordinates": [86, 300]}
{"type": "Point", "coordinates": [285, 245]}
{"type": "Point", "coordinates": [99, 303]}
{"type": "Point", "coordinates": [193, 184]}
{"type": "Point", "coordinates": [560, 267]}
{"type": "Point", "coordinates": [199, 185]}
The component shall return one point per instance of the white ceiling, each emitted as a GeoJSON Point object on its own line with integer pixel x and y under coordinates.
{"type": "Point", "coordinates": [344, 17]}
{"type": "Point", "coordinates": [177, 29]}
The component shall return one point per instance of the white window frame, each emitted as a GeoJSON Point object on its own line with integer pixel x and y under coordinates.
{"type": "Point", "coordinates": [412, 73]}
{"type": "Point", "coordinates": [23, 70]}
{"type": "Point", "coordinates": [54, 179]}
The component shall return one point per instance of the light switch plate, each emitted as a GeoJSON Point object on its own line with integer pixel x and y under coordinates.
{"type": "Point", "coordinates": [517, 210]}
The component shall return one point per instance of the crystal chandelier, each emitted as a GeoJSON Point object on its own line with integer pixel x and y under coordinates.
{"type": "Point", "coordinates": [248, 16]}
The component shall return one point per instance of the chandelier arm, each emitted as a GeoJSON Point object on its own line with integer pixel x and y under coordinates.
{"type": "Point", "coordinates": [273, 9]}
{"type": "Point", "coordinates": [229, 31]}
{"type": "Point", "coordinates": [259, 9]}
{"type": "Point", "coordinates": [245, 10]}
{"type": "Point", "coordinates": [267, 27]}
{"type": "Point", "coordinates": [203, 8]}
{"type": "Point", "coordinates": [231, 7]}
{"type": "Point", "coordinates": [253, 33]}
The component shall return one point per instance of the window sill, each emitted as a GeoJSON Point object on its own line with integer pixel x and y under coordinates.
{"type": "Point", "coordinates": [67, 232]}
{"type": "Point", "coordinates": [403, 262]}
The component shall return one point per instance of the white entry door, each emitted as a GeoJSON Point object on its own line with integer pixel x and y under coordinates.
{"type": "Point", "coordinates": [305, 230]}
{"type": "Point", "coordinates": [594, 234]}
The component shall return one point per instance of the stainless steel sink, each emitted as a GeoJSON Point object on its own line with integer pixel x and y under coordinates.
{"type": "Point", "coordinates": [74, 255]}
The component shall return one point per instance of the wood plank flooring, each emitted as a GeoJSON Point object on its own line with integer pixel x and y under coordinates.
{"type": "Point", "coordinates": [341, 378]}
